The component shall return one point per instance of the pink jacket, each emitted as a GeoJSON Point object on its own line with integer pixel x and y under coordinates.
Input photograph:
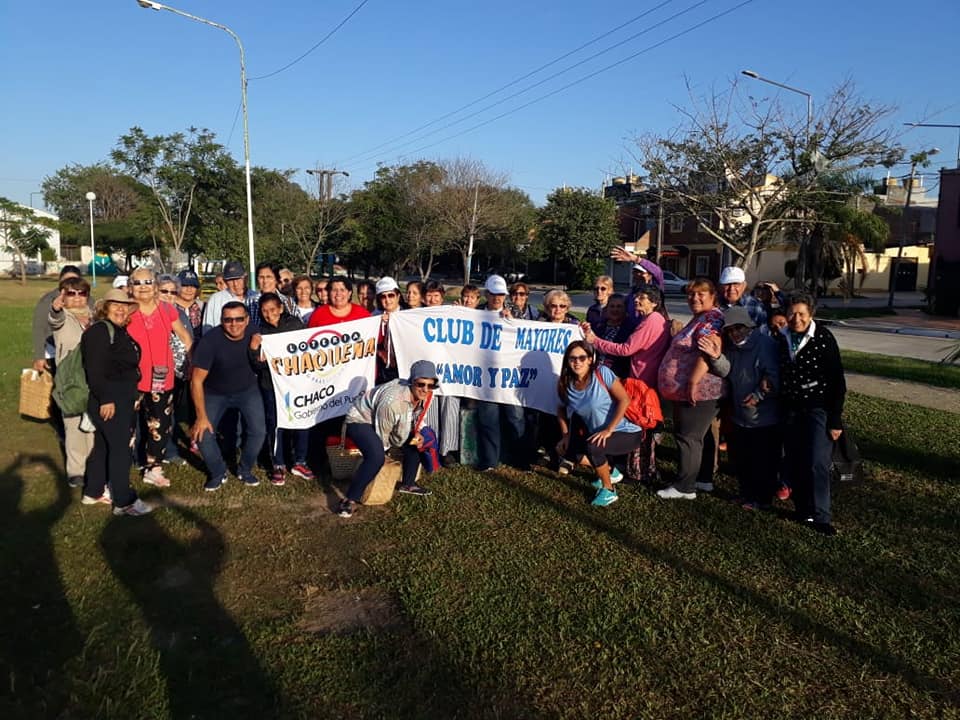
{"type": "Point", "coordinates": [646, 347]}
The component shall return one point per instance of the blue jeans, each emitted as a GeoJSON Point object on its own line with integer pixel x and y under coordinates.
{"type": "Point", "coordinates": [371, 448]}
{"type": "Point", "coordinates": [501, 434]}
{"type": "Point", "coordinates": [275, 436]}
{"type": "Point", "coordinates": [809, 460]}
{"type": "Point", "coordinates": [250, 406]}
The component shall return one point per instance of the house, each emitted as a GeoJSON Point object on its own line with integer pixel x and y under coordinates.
{"type": "Point", "coordinates": [944, 274]}
{"type": "Point", "coordinates": [35, 265]}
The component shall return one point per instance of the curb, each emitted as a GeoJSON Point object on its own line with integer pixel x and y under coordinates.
{"type": "Point", "coordinates": [919, 332]}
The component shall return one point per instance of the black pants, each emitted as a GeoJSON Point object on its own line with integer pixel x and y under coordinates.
{"type": "Point", "coordinates": [109, 463]}
{"type": "Point", "coordinates": [756, 456]}
{"type": "Point", "coordinates": [620, 443]}
{"type": "Point", "coordinates": [695, 441]}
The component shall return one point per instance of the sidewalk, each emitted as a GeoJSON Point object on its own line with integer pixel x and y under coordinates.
{"type": "Point", "coordinates": [912, 393]}
{"type": "Point", "coordinates": [907, 321]}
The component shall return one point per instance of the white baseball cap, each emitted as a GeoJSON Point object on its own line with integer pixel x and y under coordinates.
{"type": "Point", "coordinates": [386, 284]}
{"type": "Point", "coordinates": [732, 275]}
{"type": "Point", "coordinates": [121, 281]}
{"type": "Point", "coordinates": [496, 285]}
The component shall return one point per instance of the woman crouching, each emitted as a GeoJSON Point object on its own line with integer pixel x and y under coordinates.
{"type": "Point", "coordinates": [386, 417]}
{"type": "Point", "coordinates": [596, 397]}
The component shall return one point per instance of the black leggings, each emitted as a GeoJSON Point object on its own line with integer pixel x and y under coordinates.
{"type": "Point", "coordinates": [620, 443]}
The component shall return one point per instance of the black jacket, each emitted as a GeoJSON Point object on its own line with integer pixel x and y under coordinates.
{"type": "Point", "coordinates": [113, 369]}
{"type": "Point", "coordinates": [814, 378]}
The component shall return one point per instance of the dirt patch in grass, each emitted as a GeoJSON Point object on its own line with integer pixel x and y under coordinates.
{"type": "Point", "coordinates": [342, 611]}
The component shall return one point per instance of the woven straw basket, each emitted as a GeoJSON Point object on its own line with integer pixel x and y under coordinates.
{"type": "Point", "coordinates": [35, 389]}
{"type": "Point", "coordinates": [343, 460]}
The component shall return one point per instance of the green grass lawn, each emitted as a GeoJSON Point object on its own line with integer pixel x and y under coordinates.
{"type": "Point", "coordinates": [901, 368]}
{"type": "Point", "coordinates": [503, 595]}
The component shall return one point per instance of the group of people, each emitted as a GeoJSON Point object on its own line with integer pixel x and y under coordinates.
{"type": "Point", "coordinates": [158, 358]}
{"type": "Point", "coordinates": [755, 367]}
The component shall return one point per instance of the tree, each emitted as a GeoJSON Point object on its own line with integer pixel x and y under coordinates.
{"type": "Point", "coordinates": [22, 232]}
{"type": "Point", "coordinates": [580, 226]}
{"type": "Point", "coordinates": [181, 170]}
{"type": "Point", "coordinates": [747, 169]}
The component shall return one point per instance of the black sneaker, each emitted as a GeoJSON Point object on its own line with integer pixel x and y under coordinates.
{"type": "Point", "coordinates": [413, 490]}
{"type": "Point", "coordinates": [824, 528]}
{"type": "Point", "coordinates": [75, 481]}
{"type": "Point", "coordinates": [213, 484]}
{"type": "Point", "coordinates": [345, 510]}
{"type": "Point", "coordinates": [449, 460]}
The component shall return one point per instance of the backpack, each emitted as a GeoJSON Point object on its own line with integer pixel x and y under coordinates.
{"type": "Point", "coordinates": [70, 389]}
{"type": "Point", "coordinates": [644, 408]}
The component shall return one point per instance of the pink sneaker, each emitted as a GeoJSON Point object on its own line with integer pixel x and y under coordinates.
{"type": "Point", "coordinates": [154, 476]}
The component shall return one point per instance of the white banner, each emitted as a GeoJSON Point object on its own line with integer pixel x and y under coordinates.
{"type": "Point", "coordinates": [318, 373]}
{"type": "Point", "coordinates": [482, 356]}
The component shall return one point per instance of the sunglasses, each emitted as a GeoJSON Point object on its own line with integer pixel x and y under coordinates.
{"type": "Point", "coordinates": [578, 358]}
{"type": "Point", "coordinates": [428, 385]}
{"type": "Point", "coordinates": [168, 292]}
{"type": "Point", "coordinates": [136, 283]}
{"type": "Point", "coordinates": [389, 295]}
{"type": "Point", "coordinates": [77, 293]}
{"type": "Point", "coordinates": [229, 320]}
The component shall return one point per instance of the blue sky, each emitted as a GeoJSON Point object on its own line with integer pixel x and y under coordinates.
{"type": "Point", "coordinates": [77, 75]}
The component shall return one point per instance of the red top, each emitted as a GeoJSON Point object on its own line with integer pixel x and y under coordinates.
{"type": "Point", "coordinates": [323, 316]}
{"type": "Point", "coordinates": [152, 333]}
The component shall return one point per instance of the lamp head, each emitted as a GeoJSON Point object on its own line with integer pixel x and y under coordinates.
{"type": "Point", "coordinates": [750, 74]}
{"type": "Point", "coordinates": [149, 5]}
{"type": "Point", "coordinates": [91, 196]}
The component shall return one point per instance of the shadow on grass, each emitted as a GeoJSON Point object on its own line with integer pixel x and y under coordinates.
{"type": "Point", "coordinates": [799, 622]}
{"type": "Point", "coordinates": [209, 667]}
{"type": "Point", "coordinates": [921, 459]}
{"type": "Point", "coordinates": [39, 631]}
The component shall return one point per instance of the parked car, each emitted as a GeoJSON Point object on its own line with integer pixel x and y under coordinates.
{"type": "Point", "coordinates": [674, 284]}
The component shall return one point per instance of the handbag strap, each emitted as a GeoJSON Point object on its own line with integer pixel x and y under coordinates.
{"type": "Point", "coordinates": [426, 406]}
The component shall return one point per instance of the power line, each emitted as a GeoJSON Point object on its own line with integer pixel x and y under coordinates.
{"type": "Point", "coordinates": [584, 78]}
{"type": "Point", "coordinates": [321, 42]}
{"type": "Point", "coordinates": [553, 76]}
{"type": "Point", "coordinates": [516, 80]}
{"type": "Point", "coordinates": [234, 126]}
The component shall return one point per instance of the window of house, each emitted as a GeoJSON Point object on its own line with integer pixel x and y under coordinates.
{"type": "Point", "coordinates": [702, 265]}
{"type": "Point", "coordinates": [676, 224]}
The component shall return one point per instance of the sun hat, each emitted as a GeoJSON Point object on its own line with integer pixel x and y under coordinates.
{"type": "Point", "coordinates": [423, 369]}
{"type": "Point", "coordinates": [118, 296]}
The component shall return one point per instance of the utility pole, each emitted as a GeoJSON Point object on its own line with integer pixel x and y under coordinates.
{"type": "Point", "coordinates": [473, 230]}
{"type": "Point", "coordinates": [325, 195]}
{"type": "Point", "coordinates": [658, 247]}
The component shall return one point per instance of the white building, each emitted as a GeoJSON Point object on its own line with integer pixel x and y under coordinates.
{"type": "Point", "coordinates": [35, 265]}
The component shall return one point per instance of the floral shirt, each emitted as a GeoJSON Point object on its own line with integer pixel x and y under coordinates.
{"type": "Point", "coordinates": [682, 356]}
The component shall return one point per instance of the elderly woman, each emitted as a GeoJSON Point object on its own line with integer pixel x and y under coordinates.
{"type": "Point", "coordinates": [414, 295]}
{"type": "Point", "coordinates": [556, 303]}
{"type": "Point", "coordinates": [645, 348]}
{"type": "Point", "coordinates": [594, 394]}
{"type": "Point", "coordinates": [111, 358]}
{"type": "Point", "coordinates": [275, 319]}
{"type": "Point", "coordinates": [683, 379]}
{"type": "Point", "coordinates": [69, 316]}
{"type": "Point", "coordinates": [519, 305]}
{"type": "Point", "coordinates": [168, 290]}
{"type": "Point", "coordinates": [812, 391]}
{"type": "Point", "coordinates": [151, 324]}
{"type": "Point", "coordinates": [602, 292]}
{"type": "Point", "coordinates": [339, 308]}
{"type": "Point", "coordinates": [303, 296]}
{"type": "Point", "coordinates": [188, 300]}
{"type": "Point", "coordinates": [389, 416]}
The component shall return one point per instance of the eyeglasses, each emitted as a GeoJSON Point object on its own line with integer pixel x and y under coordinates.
{"type": "Point", "coordinates": [389, 295]}
{"type": "Point", "coordinates": [578, 358]}
{"type": "Point", "coordinates": [77, 293]}
{"type": "Point", "coordinates": [228, 320]}
{"type": "Point", "coordinates": [554, 306]}
{"type": "Point", "coordinates": [135, 283]}
{"type": "Point", "coordinates": [168, 292]}
{"type": "Point", "coordinates": [517, 293]}
{"type": "Point", "coordinates": [427, 385]}
{"type": "Point", "coordinates": [600, 288]}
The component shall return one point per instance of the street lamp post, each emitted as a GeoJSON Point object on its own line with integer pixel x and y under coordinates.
{"type": "Point", "coordinates": [91, 196]}
{"type": "Point", "coordinates": [922, 159]}
{"type": "Point", "coordinates": [757, 76]}
{"type": "Point", "coordinates": [801, 272]}
{"type": "Point", "coordinates": [150, 5]}
{"type": "Point", "coordinates": [941, 125]}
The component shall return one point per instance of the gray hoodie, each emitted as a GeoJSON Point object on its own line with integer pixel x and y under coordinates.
{"type": "Point", "coordinates": [744, 367]}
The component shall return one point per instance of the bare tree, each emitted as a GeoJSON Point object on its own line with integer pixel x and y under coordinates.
{"type": "Point", "coordinates": [745, 167]}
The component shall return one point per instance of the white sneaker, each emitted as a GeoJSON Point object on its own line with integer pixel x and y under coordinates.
{"type": "Point", "coordinates": [705, 487]}
{"type": "Point", "coordinates": [671, 493]}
